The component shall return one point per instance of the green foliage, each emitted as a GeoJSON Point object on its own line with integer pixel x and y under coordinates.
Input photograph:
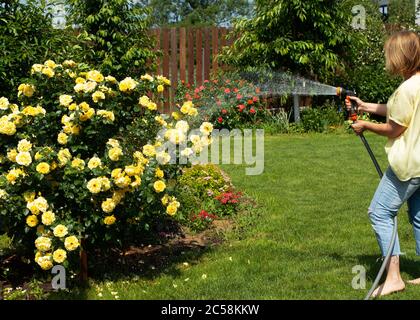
{"type": "Point", "coordinates": [322, 119]}
{"type": "Point", "coordinates": [26, 37]}
{"type": "Point", "coordinates": [206, 194]}
{"type": "Point", "coordinates": [114, 35]}
{"type": "Point", "coordinates": [305, 37]}
{"type": "Point", "coordinates": [365, 63]}
{"type": "Point", "coordinates": [402, 12]}
{"type": "Point", "coordinates": [197, 12]}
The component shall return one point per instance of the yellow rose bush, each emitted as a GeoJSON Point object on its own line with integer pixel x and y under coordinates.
{"type": "Point", "coordinates": [83, 160]}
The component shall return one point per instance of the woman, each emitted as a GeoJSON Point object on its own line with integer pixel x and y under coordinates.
{"type": "Point", "coordinates": [401, 181]}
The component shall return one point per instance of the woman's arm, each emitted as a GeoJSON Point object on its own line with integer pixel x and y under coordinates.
{"type": "Point", "coordinates": [375, 108]}
{"type": "Point", "coordinates": [379, 109]}
{"type": "Point", "coordinates": [390, 129]}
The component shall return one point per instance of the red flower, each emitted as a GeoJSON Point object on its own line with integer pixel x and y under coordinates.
{"type": "Point", "coordinates": [250, 101]}
{"type": "Point", "coordinates": [196, 90]}
{"type": "Point", "coordinates": [239, 96]}
{"type": "Point", "coordinates": [252, 110]}
{"type": "Point", "coordinates": [241, 107]}
{"type": "Point", "coordinates": [201, 88]}
{"type": "Point", "coordinates": [220, 119]}
{"type": "Point", "coordinates": [255, 99]}
{"type": "Point", "coordinates": [236, 90]}
{"type": "Point", "coordinates": [227, 90]}
{"type": "Point", "coordinates": [224, 111]}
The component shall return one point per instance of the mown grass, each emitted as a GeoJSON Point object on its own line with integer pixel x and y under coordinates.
{"type": "Point", "coordinates": [311, 229]}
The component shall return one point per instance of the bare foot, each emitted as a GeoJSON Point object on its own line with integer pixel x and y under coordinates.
{"type": "Point", "coordinates": [388, 287]}
{"type": "Point", "coordinates": [414, 281]}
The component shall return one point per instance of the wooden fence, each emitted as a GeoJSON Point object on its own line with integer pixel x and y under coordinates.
{"type": "Point", "coordinates": [189, 55]}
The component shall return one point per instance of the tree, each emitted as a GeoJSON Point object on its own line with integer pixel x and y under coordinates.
{"type": "Point", "coordinates": [306, 37]}
{"type": "Point", "coordinates": [197, 12]}
{"type": "Point", "coordinates": [402, 12]}
{"type": "Point", "coordinates": [114, 34]}
{"type": "Point", "coordinates": [26, 37]}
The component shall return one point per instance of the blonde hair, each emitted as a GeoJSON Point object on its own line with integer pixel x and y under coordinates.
{"type": "Point", "coordinates": [402, 53]}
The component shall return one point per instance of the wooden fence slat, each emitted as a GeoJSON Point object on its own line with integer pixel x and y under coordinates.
{"type": "Point", "coordinates": [199, 58]}
{"type": "Point", "coordinates": [207, 58]}
{"type": "Point", "coordinates": [174, 66]}
{"type": "Point", "coordinates": [191, 56]}
{"type": "Point", "coordinates": [215, 45]}
{"type": "Point", "coordinates": [182, 54]}
{"type": "Point", "coordinates": [166, 65]}
{"type": "Point", "coordinates": [156, 33]}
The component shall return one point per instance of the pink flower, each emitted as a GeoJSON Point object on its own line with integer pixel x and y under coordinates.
{"type": "Point", "coordinates": [239, 96]}
{"type": "Point", "coordinates": [224, 111]}
{"type": "Point", "coordinates": [227, 90]}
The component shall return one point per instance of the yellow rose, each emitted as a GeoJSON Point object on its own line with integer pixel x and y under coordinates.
{"type": "Point", "coordinates": [4, 103]}
{"type": "Point", "coordinates": [36, 68]}
{"type": "Point", "coordinates": [176, 115]}
{"type": "Point", "coordinates": [43, 244]}
{"type": "Point", "coordinates": [160, 88]}
{"type": "Point", "coordinates": [109, 220]}
{"type": "Point", "coordinates": [94, 75]}
{"type": "Point", "coordinates": [163, 158]}
{"type": "Point", "coordinates": [108, 205]}
{"type": "Point", "coordinates": [152, 106]}
{"type": "Point", "coordinates": [147, 77]}
{"type": "Point", "coordinates": [11, 155]}
{"type": "Point", "coordinates": [65, 100]}
{"type": "Point", "coordinates": [106, 114]}
{"type": "Point", "coordinates": [94, 185]}
{"type": "Point", "coordinates": [186, 107]}
{"type": "Point", "coordinates": [97, 96]}
{"type": "Point", "coordinates": [60, 231]}
{"type": "Point", "coordinates": [159, 173]}
{"type": "Point", "coordinates": [206, 128]}
{"type": "Point", "coordinates": [69, 63]}
{"type": "Point", "coordinates": [26, 89]}
{"type": "Point", "coordinates": [149, 150]}
{"type": "Point", "coordinates": [24, 158]}
{"type": "Point", "coordinates": [48, 218]}
{"type": "Point", "coordinates": [136, 182]}
{"type": "Point", "coordinates": [115, 153]}
{"type": "Point", "coordinates": [128, 84]}
{"type": "Point", "coordinates": [59, 255]}
{"type": "Point", "coordinates": [71, 243]}
{"type": "Point", "coordinates": [193, 112]}
{"type": "Point", "coordinates": [62, 138]}
{"type": "Point", "coordinates": [94, 163]}
{"type": "Point", "coordinates": [123, 182]}
{"type": "Point", "coordinates": [159, 186]}
{"type": "Point", "coordinates": [43, 168]}
{"type": "Point", "coordinates": [106, 183]}
{"type": "Point", "coordinates": [172, 208]}
{"type": "Point", "coordinates": [80, 80]}
{"type": "Point", "coordinates": [32, 221]}
{"type": "Point", "coordinates": [45, 262]}
{"type": "Point", "coordinates": [49, 72]}
{"type": "Point", "coordinates": [7, 127]}
{"type": "Point", "coordinates": [78, 163]}
{"type": "Point", "coordinates": [144, 101]}
{"type": "Point", "coordinates": [29, 196]}
{"type": "Point", "coordinates": [64, 156]}
{"type": "Point", "coordinates": [50, 64]}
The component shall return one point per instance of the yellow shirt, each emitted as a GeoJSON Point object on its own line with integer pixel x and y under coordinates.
{"type": "Point", "coordinates": [404, 108]}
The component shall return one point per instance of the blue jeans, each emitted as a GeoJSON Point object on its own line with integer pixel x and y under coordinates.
{"type": "Point", "coordinates": [388, 199]}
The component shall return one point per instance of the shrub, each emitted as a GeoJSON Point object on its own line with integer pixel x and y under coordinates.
{"type": "Point", "coordinates": [206, 194]}
{"type": "Point", "coordinates": [322, 119]}
{"type": "Point", "coordinates": [67, 176]}
{"type": "Point", "coordinates": [227, 103]}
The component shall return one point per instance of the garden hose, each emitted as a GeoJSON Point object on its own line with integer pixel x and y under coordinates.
{"type": "Point", "coordinates": [353, 116]}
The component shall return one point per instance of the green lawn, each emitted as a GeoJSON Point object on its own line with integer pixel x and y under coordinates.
{"type": "Point", "coordinates": [312, 229]}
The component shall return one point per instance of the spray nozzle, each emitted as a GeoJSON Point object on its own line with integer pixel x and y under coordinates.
{"type": "Point", "coordinates": [346, 94]}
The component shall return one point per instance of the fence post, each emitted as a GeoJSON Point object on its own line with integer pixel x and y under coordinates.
{"type": "Point", "coordinates": [296, 110]}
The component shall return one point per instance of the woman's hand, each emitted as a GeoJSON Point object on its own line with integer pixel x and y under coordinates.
{"type": "Point", "coordinates": [359, 126]}
{"type": "Point", "coordinates": [361, 105]}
